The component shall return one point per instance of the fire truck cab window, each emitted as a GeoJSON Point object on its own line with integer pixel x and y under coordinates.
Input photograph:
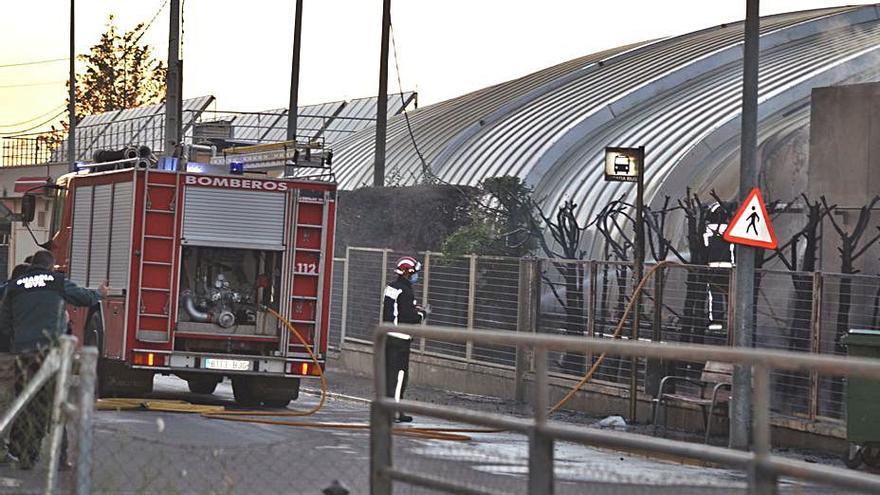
{"type": "Point", "coordinates": [223, 289]}
{"type": "Point", "coordinates": [57, 211]}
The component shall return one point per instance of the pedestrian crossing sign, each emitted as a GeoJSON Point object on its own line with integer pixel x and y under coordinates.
{"type": "Point", "coordinates": [751, 224]}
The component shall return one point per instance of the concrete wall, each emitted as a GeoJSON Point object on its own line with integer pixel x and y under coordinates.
{"type": "Point", "coordinates": [845, 161]}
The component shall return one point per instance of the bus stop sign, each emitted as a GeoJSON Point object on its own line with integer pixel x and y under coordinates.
{"type": "Point", "coordinates": [623, 164]}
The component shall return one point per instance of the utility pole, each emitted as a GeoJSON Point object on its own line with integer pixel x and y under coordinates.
{"type": "Point", "coordinates": [71, 104]}
{"type": "Point", "coordinates": [292, 108]}
{"type": "Point", "coordinates": [741, 407]}
{"type": "Point", "coordinates": [638, 270]}
{"type": "Point", "coordinates": [382, 103]}
{"type": "Point", "coordinates": [172, 84]}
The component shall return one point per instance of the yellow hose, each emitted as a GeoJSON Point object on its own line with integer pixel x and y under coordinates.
{"type": "Point", "coordinates": [617, 330]}
{"type": "Point", "coordinates": [253, 416]}
{"type": "Point", "coordinates": [315, 360]}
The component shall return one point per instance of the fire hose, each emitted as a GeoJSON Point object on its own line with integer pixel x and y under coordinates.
{"type": "Point", "coordinates": [261, 416]}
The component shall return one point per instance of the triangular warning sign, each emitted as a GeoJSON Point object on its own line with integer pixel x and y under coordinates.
{"type": "Point", "coordinates": [751, 224]}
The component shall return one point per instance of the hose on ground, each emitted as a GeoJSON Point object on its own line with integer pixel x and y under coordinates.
{"type": "Point", "coordinates": [257, 416]}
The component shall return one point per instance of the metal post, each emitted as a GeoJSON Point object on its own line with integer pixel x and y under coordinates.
{"type": "Point", "coordinates": [384, 281]}
{"type": "Point", "coordinates": [88, 364]}
{"type": "Point", "coordinates": [382, 102]}
{"type": "Point", "coordinates": [344, 297]}
{"type": "Point", "coordinates": [740, 410]}
{"type": "Point", "coordinates": [815, 341]}
{"type": "Point", "coordinates": [657, 323]}
{"type": "Point", "coordinates": [59, 402]}
{"type": "Point", "coordinates": [638, 269]}
{"type": "Point", "coordinates": [380, 426]}
{"type": "Point", "coordinates": [761, 480]}
{"type": "Point", "coordinates": [592, 299]}
{"type": "Point", "coordinates": [472, 298]}
{"type": "Point", "coordinates": [655, 367]}
{"type": "Point", "coordinates": [426, 280]}
{"type": "Point", "coordinates": [525, 311]}
{"type": "Point", "coordinates": [540, 445]}
{"type": "Point", "coordinates": [293, 110]}
{"type": "Point", "coordinates": [71, 104]}
{"type": "Point", "coordinates": [172, 83]}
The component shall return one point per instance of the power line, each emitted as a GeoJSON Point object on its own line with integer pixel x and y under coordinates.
{"type": "Point", "coordinates": [28, 85]}
{"type": "Point", "coordinates": [41, 124]}
{"type": "Point", "coordinates": [35, 62]}
{"type": "Point", "coordinates": [426, 169]}
{"type": "Point", "coordinates": [33, 118]}
{"type": "Point", "coordinates": [150, 24]}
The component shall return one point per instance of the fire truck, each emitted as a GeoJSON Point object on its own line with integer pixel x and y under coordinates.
{"type": "Point", "coordinates": [195, 262]}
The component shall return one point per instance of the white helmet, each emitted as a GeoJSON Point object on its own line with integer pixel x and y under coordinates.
{"type": "Point", "coordinates": [407, 266]}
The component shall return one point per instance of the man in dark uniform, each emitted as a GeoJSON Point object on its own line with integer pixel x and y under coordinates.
{"type": "Point", "coordinates": [399, 307]}
{"type": "Point", "coordinates": [32, 317]}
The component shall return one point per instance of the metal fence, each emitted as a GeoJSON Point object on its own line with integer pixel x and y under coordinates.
{"type": "Point", "coordinates": [52, 147]}
{"type": "Point", "coordinates": [795, 311]}
{"type": "Point", "coordinates": [764, 468]}
{"type": "Point", "coordinates": [46, 419]}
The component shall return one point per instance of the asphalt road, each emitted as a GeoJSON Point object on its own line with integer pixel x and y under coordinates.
{"type": "Point", "coordinates": [173, 453]}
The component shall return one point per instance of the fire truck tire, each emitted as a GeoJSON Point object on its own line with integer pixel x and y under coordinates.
{"type": "Point", "coordinates": [115, 379]}
{"type": "Point", "coordinates": [203, 385]}
{"type": "Point", "coordinates": [243, 393]}
{"type": "Point", "coordinates": [252, 391]}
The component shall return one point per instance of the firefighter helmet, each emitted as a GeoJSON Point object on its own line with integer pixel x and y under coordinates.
{"type": "Point", "coordinates": [407, 266]}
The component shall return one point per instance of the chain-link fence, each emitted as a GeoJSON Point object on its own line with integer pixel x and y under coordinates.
{"type": "Point", "coordinates": [39, 433]}
{"type": "Point", "coordinates": [797, 311]}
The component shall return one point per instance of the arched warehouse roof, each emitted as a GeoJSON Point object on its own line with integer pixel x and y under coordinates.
{"type": "Point", "coordinates": [679, 97]}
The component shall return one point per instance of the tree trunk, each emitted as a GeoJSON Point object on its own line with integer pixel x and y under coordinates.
{"type": "Point", "coordinates": [575, 323]}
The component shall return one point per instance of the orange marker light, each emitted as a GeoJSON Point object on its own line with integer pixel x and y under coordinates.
{"type": "Point", "coordinates": [150, 359]}
{"type": "Point", "coordinates": [305, 369]}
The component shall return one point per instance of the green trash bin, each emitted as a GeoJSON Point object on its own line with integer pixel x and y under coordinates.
{"type": "Point", "coordinates": [862, 403]}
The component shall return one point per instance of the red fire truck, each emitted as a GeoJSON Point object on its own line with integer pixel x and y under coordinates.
{"type": "Point", "coordinates": [193, 261]}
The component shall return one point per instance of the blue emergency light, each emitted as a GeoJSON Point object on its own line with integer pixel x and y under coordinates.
{"type": "Point", "coordinates": [236, 168]}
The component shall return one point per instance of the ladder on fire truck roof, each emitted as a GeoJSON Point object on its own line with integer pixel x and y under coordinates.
{"type": "Point", "coordinates": [309, 242]}
{"type": "Point", "coordinates": [156, 261]}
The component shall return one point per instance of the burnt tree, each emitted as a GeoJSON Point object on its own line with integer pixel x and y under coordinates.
{"type": "Point", "coordinates": [851, 249]}
{"type": "Point", "coordinates": [809, 237]}
{"type": "Point", "coordinates": [566, 234]}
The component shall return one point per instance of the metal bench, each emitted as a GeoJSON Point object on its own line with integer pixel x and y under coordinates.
{"type": "Point", "coordinates": [714, 383]}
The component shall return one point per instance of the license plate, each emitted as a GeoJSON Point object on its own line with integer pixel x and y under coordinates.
{"type": "Point", "coordinates": [227, 364]}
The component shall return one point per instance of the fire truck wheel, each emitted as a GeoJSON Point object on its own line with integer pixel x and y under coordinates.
{"type": "Point", "coordinates": [203, 385]}
{"type": "Point", "coordinates": [243, 393]}
{"type": "Point", "coordinates": [115, 379]}
{"type": "Point", "coordinates": [252, 391]}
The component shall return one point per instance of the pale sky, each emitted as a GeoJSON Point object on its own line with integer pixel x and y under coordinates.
{"type": "Point", "coordinates": [240, 51]}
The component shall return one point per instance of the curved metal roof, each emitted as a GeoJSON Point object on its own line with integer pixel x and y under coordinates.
{"type": "Point", "coordinates": [679, 97]}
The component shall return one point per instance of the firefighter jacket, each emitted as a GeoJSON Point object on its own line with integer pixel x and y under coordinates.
{"type": "Point", "coordinates": [399, 306]}
{"type": "Point", "coordinates": [32, 313]}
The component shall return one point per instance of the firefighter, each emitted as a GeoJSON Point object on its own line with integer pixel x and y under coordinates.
{"type": "Point", "coordinates": [32, 317]}
{"type": "Point", "coordinates": [399, 307]}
